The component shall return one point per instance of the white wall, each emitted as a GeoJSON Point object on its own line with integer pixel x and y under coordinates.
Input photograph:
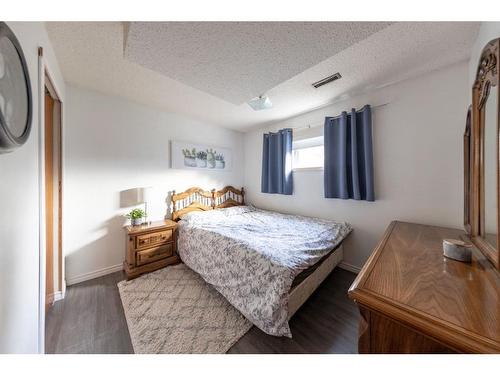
{"type": "Point", "coordinates": [417, 157]}
{"type": "Point", "coordinates": [19, 231]}
{"type": "Point", "coordinates": [113, 145]}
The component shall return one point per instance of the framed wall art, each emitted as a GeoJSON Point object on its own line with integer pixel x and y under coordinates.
{"type": "Point", "coordinates": [186, 155]}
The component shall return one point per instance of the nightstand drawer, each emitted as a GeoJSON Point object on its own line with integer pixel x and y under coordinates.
{"type": "Point", "coordinates": [154, 239]}
{"type": "Point", "coordinates": [153, 254]}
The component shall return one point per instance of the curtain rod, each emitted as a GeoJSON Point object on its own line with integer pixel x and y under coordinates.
{"type": "Point", "coordinates": [322, 123]}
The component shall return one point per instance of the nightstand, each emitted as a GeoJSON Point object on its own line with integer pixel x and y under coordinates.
{"type": "Point", "coordinates": [150, 247]}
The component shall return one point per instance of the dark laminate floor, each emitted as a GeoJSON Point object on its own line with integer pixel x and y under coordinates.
{"type": "Point", "coordinates": [91, 320]}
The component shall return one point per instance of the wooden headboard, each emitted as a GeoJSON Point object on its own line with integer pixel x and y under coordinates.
{"type": "Point", "coordinates": [197, 199]}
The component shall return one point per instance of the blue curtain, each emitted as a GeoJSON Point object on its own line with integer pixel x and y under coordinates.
{"type": "Point", "coordinates": [277, 163]}
{"type": "Point", "coordinates": [349, 156]}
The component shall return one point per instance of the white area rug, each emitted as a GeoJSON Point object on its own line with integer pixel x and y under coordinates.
{"type": "Point", "coordinates": [173, 310]}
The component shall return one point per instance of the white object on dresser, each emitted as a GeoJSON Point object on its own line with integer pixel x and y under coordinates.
{"type": "Point", "coordinates": [458, 250]}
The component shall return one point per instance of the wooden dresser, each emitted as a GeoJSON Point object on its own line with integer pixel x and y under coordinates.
{"type": "Point", "coordinates": [414, 300]}
{"type": "Point", "coordinates": [150, 247]}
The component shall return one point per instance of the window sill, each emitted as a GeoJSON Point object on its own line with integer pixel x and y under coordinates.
{"type": "Point", "coordinates": [307, 169]}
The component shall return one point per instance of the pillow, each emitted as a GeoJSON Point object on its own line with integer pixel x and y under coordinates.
{"type": "Point", "coordinates": [219, 213]}
{"type": "Point", "coordinates": [194, 215]}
{"type": "Point", "coordinates": [236, 210]}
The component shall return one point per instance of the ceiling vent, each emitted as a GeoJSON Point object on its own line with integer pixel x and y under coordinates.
{"type": "Point", "coordinates": [326, 80]}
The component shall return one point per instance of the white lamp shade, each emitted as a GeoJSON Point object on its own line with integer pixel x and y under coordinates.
{"type": "Point", "coordinates": [135, 196]}
{"type": "Point", "coordinates": [144, 194]}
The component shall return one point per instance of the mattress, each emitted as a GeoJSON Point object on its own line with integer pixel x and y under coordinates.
{"type": "Point", "coordinates": [252, 257]}
{"type": "Point", "coordinates": [309, 270]}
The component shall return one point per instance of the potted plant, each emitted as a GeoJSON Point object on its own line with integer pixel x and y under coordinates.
{"type": "Point", "coordinates": [219, 161]}
{"type": "Point", "coordinates": [211, 158]}
{"type": "Point", "coordinates": [189, 157]}
{"type": "Point", "coordinates": [201, 159]}
{"type": "Point", "coordinates": [136, 216]}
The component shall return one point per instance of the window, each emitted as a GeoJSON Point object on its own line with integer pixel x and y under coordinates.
{"type": "Point", "coordinates": [308, 153]}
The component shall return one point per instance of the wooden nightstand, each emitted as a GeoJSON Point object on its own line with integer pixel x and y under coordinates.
{"type": "Point", "coordinates": [150, 247]}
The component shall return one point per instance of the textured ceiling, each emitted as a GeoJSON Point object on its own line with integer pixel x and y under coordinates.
{"type": "Point", "coordinates": [91, 55]}
{"type": "Point", "coordinates": [237, 61]}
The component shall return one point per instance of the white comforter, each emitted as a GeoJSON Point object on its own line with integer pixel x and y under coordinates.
{"type": "Point", "coordinates": [251, 256]}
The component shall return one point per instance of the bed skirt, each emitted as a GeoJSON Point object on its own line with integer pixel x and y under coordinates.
{"type": "Point", "coordinates": [303, 291]}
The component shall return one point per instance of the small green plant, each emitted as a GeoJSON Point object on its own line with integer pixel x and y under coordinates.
{"type": "Point", "coordinates": [211, 154]}
{"type": "Point", "coordinates": [202, 155]}
{"type": "Point", "coordinates": [189, 153]}
{"type": "Point", "coordinates": [136, 213]}
{"type": "Point", "coordinates": [219, 157]}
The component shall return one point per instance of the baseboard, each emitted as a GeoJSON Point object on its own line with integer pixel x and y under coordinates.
{"type": "Point", "coordinates": [93, 274]}
{"type": "Point", "coordinates": [58, 296]}
{"type": "Point", "coordinates": [349, 267]}
{"type": "Point", "coordinates": [54, 297]}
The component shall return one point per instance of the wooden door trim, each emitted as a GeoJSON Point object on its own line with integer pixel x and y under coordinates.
{"type": "Point", "coordinates": [48, 149]}
{"type": "Point", "coordinates": [58, 105]}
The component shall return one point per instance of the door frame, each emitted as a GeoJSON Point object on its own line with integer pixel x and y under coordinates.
{"type": "Point", "coordinates": [44, 74]}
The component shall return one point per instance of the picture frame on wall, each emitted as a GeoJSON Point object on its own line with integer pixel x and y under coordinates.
{"type": "Point", "coordinates": [185, 155]}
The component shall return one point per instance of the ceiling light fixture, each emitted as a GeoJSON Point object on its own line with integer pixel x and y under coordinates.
{"type": "Point", "coordinates": [260, 103]}
{"type": "Point", "coordinates": [326, 80]}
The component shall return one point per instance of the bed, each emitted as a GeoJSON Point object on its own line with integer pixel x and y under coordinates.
{"type": "Point", "coordinates": [266, 264]}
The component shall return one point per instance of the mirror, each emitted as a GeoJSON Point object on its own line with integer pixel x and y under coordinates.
{"type": "Point", "coordinates": [490, 164]}
{"type": "Point", "coordinates": [482, 197]}
{"type": "Point", "coordinates": [15, 93]}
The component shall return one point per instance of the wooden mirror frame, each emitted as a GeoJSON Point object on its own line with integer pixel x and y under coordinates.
{"type": "Point", "coordinates": [486, 77]}
{"type": "Point", "coordinates": [467, 174]}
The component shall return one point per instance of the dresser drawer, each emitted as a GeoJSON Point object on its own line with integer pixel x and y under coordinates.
{"type": "Point", "coordinates": [154, 239]}
{"type": "Point", "coordinates": [153, 254]}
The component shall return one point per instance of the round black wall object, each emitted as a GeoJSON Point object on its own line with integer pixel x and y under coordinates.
{"type": "Point", "coordinates": [16, 104]}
